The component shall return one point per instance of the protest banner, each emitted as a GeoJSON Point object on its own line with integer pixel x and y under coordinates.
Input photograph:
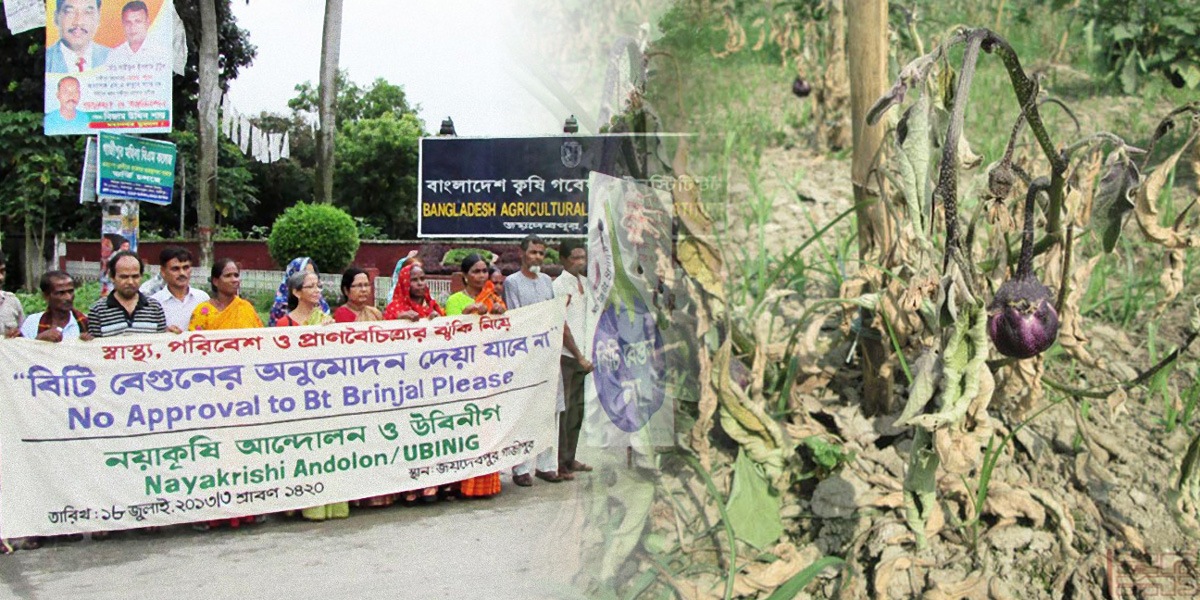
{"type": "Point", "coordinates": [108, 66]}
{"type": "Point", "coordinates": [162, 429]}
{"type": "Point", "coordinates": [512, 187]}
{"type": "Point", "coordinates": [629, 241]}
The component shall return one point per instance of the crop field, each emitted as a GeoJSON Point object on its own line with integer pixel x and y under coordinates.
{"type": "Point", "coordinates": [962, 368]}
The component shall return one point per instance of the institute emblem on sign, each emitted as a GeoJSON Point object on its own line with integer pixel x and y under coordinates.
{"type": "Point", "coordinates": [572, 154]}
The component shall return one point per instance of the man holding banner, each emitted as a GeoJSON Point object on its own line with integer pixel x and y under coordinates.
{"type": "Point", "coordinates": [61, 320]}
{"type": "Point", "coordinates": [530, 286]}
{"type": "Point", "coordinates": [125, 310]}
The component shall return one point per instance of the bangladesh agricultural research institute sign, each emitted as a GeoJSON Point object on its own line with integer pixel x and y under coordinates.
{"type": "Point", "coordinates": [512, 187]}
{"type": "Point", "coordinates": [136, 168]}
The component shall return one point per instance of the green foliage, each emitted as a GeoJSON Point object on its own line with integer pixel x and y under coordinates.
{"type": "Point", "coordinates": [455, 256]}
{"type": "Point", "coordinates": [86, 294]}
{"type": "Point", "coordinates": [1135, 39]}
{"type": "Point", "coordinates": [827, 455]}
{"type": "Point", "coordinates": [325, 233]}
{"type": "Point", "coordinates": [375, 171]}
{"type": "Point", "coordinates": [354, 102]}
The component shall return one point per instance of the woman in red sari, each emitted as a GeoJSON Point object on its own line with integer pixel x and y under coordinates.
{"type": "Point", "coordinates": [411, 301]}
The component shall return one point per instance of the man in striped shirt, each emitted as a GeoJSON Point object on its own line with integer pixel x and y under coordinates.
{"type": "Point", "coordinates": [126, 310]}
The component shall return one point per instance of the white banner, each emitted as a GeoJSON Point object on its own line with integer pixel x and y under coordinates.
{"type": "Point", "coordinates": [156, 430]}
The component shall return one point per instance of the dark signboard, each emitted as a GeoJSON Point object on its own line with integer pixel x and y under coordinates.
{"type": "Point", "coordinates": [512, 187]}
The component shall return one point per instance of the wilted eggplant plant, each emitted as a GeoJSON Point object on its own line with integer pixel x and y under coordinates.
{"type": "Point", "coordinates": [1023, 317]}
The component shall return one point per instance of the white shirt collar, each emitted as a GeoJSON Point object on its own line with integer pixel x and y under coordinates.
{"type": "Point", "coordinates": [72, 58]}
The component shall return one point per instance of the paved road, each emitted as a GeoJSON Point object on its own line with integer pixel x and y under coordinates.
{"type": "Point", "coordinates": [522, 544]}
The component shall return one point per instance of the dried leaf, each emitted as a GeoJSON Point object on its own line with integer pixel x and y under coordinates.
{"type": "Point", "coordinates": [1062, 517]}
{"type": "Point", "coordinates": [914, 159]}
{"type": "Point", "coordinates": [1070, 323]}
{"type": "Point", "coordinates": [1146, 211]}
{"type": "Point", "coordinates": [764, 577]}
{"type": "Point", "coordinates": [1116, 403]}
{"type": "Point", "coordinates": [1010, 503]}
{"type": "Point", "coordinates": [893, 560]}
{"type": "Point", "coordinates": [1084, 180]}
{"type": "Point", "coordinates": [973, 586]}
{"type": "Point", "coordinates": [967, 159]}
{"type": "Point", "coordinates": [708, 407]}
{"type": "Point", "coordinates": [704, 264]}
{"type": "Point", "coordinates": [1171, 278]}
{"type": "Point", "coordinates": [926, 370]}
{"type": "Point", "coordinates": [1114, 197]}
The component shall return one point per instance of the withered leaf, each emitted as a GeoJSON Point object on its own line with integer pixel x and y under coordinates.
{"type": "Point", "coordinates": [1147, 197]}
{"type": "Point", "coordinates": [1114, 198]}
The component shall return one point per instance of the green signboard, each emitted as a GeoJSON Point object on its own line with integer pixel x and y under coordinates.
{"type": "Point", "coordinates": [136, 168]}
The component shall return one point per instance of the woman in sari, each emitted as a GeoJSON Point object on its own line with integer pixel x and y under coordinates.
{"type": "Point", "coordinates": [410, 259]}
{"type": "Point", "coordinates": [356, 289]}
{"type": "Point", "coordinates": [411, 301]}
{"type": "Point", "coordinates": [477, 297]}
{"type": "Point", "coordinates": [359, 307]}
{"type": "Point", "coordinates": [298, 265]}
{"type": "Point", "coordinates": [479, 294]}
{"type": "Point", "coordinates": [225, 310]}
{"type": "Point", "coordinates": [304, 308]}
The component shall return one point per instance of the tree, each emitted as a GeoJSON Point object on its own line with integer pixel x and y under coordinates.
{"type": "Point", "coordinates": [355, 102]}
{"type": "Point", "coordinates": [208, 100]}
{"type": "Point", "coordinates": [376, 156]}
{"type": "Point", "coordinates": [35, 180]}
{"type": "Point", "coordinates": [376, 176]}
{"type": "Point", "coordinates": [331, 43]}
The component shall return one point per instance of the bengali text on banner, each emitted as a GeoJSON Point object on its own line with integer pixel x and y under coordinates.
{"type": "Point", "coordinates": [138, 431]}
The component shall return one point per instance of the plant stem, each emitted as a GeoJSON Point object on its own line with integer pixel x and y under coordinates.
{"type": "Point", "coordinates": [1025, 265]}
{"type": "Point", "coordinates": [1026, 89]}
{"type": "Point", "coordinates": [947, 187]}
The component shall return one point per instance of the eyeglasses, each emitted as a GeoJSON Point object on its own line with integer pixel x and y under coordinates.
{"type": "Point", "coordinates": [311, 286]}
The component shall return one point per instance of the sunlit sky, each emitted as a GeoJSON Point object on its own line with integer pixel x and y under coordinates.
{"type": "Point", "coordinates": [454, 58]}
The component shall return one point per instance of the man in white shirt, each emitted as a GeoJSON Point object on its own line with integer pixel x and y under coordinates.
{"type": "Point", "coordinates": [179, 298]}
{"type": "Point", "coordinates": [135, 19]}
{"type": "Point", "coordinates": [60, 321]}
{"type": "Point", "coordinates": [75, 51]}
{"type": "Point", "coordinates": [523, 288]}
{"type": "Point", "coordinates": [574, 361]}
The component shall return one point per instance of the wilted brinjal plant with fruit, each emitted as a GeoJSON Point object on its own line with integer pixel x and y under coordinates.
{"type": "Point", "coordinates": [1024, 317]}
